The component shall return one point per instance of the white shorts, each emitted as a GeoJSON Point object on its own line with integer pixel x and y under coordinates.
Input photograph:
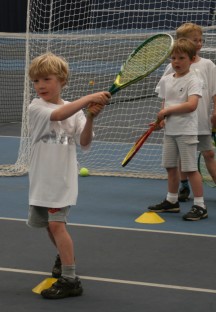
{"type": "Point", "coordinates": [41, 216]}
{"type": "Point", "coordinates": [180, 148]}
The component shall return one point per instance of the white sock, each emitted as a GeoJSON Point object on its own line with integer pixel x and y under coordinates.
{"type": "Point", "coordinates": [199, 201]}
{"type": "Point", "coordinates": [172, 197]}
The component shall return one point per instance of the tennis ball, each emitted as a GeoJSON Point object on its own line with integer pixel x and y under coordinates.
{"type": "Point", "coordinates": [91, 82]}
{"type": "Point", "coordinates": [84, 172]}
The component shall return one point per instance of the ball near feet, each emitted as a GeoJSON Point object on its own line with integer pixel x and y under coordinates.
{"type": "Point", "coordinates": [84, 172]}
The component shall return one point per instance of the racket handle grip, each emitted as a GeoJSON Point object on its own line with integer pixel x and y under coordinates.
{"type": "Point", "coordinates": [113, 89]}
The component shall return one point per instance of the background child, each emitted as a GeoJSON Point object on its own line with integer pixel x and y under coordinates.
{"type": "Point", "coordinates": [205, 70]}
{"type": "Point", "coordinates": [181, 91]}
{"type": "Point", "coordinates": [56, 127]}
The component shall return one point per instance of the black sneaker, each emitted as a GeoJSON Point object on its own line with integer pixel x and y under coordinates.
{"type": "Point", "coordinates": [63, 288]}
{"type": "Point", "coordinates": [165, 206]}
{"type": "Point", "coordinates": [196, 213]}
{"type": "Point", "coordinates": [56, 270]}
{"type": "Point", "coordinates": [183, 194]}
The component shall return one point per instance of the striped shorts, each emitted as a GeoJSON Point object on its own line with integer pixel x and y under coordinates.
{"type": "Point", "coordinates": [181, 148]}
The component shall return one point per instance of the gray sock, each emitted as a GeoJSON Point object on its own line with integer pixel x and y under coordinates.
{"type": "Point", "coordinates": [68, 271]}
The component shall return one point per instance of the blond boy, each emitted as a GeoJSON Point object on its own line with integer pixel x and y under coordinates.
{"type": "Point", "coordinates": [56, 127]}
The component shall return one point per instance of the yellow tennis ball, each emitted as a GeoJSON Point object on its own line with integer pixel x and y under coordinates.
{"type": "Point", "coordinates": [84, 172]}
{"type": "Point", "coordinates": [91, 82]}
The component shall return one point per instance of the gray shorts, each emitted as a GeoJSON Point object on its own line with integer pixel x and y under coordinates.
{"type": "Point", "coordinates": [180, 148]}
{"type": "Point", "coordinates": [205, 143]}
{"type": "Point", "coordinates": [41, 216]}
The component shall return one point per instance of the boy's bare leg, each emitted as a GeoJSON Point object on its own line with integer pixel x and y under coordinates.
{"type": "Point", "coordinates": [63, 242]}
{"type": "Point", "coordinates": [173, 180]}
{"type": "Point", "coordinates": [196, 183]}
{"type": "Point", "coordinates": [210, 163]}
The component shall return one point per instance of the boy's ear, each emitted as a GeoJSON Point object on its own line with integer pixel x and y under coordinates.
{"type": "Point", "coordinates": [193, 59]}
{"type": "Point", "coordinates": [63, 83]}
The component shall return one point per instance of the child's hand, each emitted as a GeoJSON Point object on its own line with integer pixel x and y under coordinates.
{"type": "Point", "coordinates": [161, 115]}
{"type": "Point", "coordinates": [159, 125]}
{"type": "Point", "coordinates": [94, 109]}
{"type": "Point", "coordinates": [102, 98]}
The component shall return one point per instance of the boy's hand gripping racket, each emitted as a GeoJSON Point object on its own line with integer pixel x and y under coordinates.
{"type": "Point", "coordinates": [143, 61]}
{"type": "Point", "coordinates": [132, 152]}
{"type": "Point", "coordinates": [206, 177]}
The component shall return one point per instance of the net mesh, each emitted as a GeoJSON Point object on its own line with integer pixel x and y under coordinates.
{"type": "Point", "coordinates": [96, 37]}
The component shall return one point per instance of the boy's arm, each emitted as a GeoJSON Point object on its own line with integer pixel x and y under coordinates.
{"type": "Point", "coordinates": [213, 117]}
{"type": "Point", "coordinates": [182, 108]}
{"type": "Point", "coordinates": [65, 111]}
{"type": "Point", "coordinates": [87, 133]}
{"type": "Point", "coordinates": [161, 124]}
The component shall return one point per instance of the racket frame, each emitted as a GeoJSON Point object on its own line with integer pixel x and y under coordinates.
{"type": "Point", "coordinates": [117, 86]}
{"type": "Point", "coordinates": [138, 144]}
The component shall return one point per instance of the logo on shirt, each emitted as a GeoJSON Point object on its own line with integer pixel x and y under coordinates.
{"type": "Point", "coordinates": [58, 138]}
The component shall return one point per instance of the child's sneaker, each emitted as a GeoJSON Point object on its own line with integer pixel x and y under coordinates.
{"type": "Point", "coordinates": [165, 206]}
{"type": "Point", "coordinates": [63, 288]}
{"type": "Point", "coordinates": [183, 194]}
{"type": "Point", "coordinates": [56, 270]}
{"type": "Point", "coordinates": [196, 213]}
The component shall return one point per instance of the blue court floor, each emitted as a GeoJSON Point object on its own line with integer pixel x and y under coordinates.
{"type": "Point", "coordinates": [124, 265]}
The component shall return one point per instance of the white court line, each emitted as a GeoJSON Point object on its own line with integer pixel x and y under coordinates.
{"type": "Point", "coordinates": [10, 136]}
{"type": "Point", "coordinates": [123, 228]}
{"type": "Point", "coordinates": [117, 281]}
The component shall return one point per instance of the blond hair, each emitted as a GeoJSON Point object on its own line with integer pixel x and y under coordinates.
{"type": "Point", "coordinates": [184, 45]}
{"type": "Point", "coordinates": [185, 29]}
{"type": "Point", "coordinates": [49, 64]}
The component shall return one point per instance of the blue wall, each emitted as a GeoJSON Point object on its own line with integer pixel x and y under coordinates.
{"type": "Point", "coordinates": [153, 15]}
{"type": "Point", "coordinates": [123, 14]}
{"type": "Point", "coordinates": [13, 15]}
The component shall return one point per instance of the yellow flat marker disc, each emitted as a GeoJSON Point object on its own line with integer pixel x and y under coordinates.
{"type": "Point", "coordinates": [149, 217]}
{"type": "Point", "coordinates": [44, 285]}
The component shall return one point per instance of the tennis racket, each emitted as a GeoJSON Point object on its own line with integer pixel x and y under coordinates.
{"type": "Point", "coordinates": [146, 58]}
{"type": "Point", "coordinates": [135, 148]}
{"type": "Point", "coordinates": [206, 177]}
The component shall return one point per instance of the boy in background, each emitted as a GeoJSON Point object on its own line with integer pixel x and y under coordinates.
{"type": "Point", "coordinates": [206, 71]}
{"type": "Point", "coordinates": [180, 92]}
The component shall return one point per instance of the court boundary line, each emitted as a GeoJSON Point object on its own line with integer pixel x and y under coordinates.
{"type": "Point", "coordinates": [122, 228]}
{"type": "Point", "coordinates": [117, 281]}
{"type": "Point", "coordinates": [10, 136]}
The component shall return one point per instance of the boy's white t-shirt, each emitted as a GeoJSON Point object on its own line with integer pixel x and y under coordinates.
{"type": "Point", "coordinates": [53, 173]}
{"type": "Point", "coordinates": [176, 91]}
{"type": "Point", "coordinates": [205, 70]}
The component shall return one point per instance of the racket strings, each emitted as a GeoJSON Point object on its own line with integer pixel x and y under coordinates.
{"type": "Point", "coordinates": [144, 60]}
